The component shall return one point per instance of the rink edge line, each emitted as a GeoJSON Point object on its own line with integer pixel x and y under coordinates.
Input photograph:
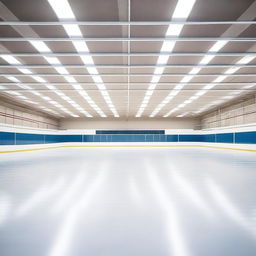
{"type": "Point", "coordinates": [124, 146]}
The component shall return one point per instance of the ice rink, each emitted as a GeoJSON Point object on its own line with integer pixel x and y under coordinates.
{"type": "Point", "coordinates": [128, 201]}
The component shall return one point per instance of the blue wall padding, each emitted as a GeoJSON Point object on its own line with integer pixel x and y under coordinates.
{"type": "Point", "coordinates": [130, 132]}
{"type": "Point", "coordinates": [190, 137]}
{"type": "Point", "coordinates": [9, 138]}
{"type": "Point", "coordinates": [26, 138]}
{"type": "Point", "coordinates": [245, 137]}
{"type": "Point", "coordinates": [171, 138]}
{"type": "Point", "coordinates": [208, 137]}
{"type": "Point", "coordinates": [224, 137]}
{"type": "Point", "coordinates": [50, 138]}
{"type": "Point", "coordinates": [70, 138]}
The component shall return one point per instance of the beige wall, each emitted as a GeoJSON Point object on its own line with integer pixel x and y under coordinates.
{"type": "Point", "coordinates": [236, 114]}
{"type": "Point", "coordinates": [175, 123]}
{"type": "Point", "coordinates": [22, 117]}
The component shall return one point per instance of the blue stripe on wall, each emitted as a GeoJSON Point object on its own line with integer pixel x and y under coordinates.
{"type": "Point", "coordinates": [208, 138]}
{"type": "Point", "coordinates": [224, 137]}
{"type": "Point", "coordinates": [245, 137]}
{"type": "Point", "coordinates": [190, 138]}
{"type": "Point", "coordinates": [9, 138]}
{"type": "Point", "coordinates": [130, 132]}
{"type": "Point", "coordinates": [25, 138]}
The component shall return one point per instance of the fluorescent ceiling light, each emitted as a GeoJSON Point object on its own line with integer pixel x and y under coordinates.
{"type": "Point", "coordinates": [46, 98]}
{"type": "Point", "coordinates": [206, 59]}
{"type": "Point", "coordinates": [70, 79]}
{"type": "Point", "coordinates": [173, 93]}
{"type": "Point", "coordinates": [87, 60]}
{"type": "Point", "coordinates": [72, 30]}
{"type": "Point", "coordinates": [51, 87]}
{"type": "Point", "coordinates": [62, 9]}
{"type": "Point", "coordinates": [236, 92]}
{"type": "Point", "coordinates": [152, 87]}
{"type": "Point", "coordinates": [10, 59]}
{"type": "Point", "coordinates": [246, 60]}
{"type": "Point", "coordinates": [40, 46]}
{"type": "Point", "coordinates": [200, 93]}
{"type": "Point", "coordinates": [62, 70]}
{"type": "Point", "coordinates": [25, 71]}
{"type": "Point", "coordinates": [227, 97]}
{"type": "Point", "coordinates": [14, 93]}
{"type": "Point", "coordinates": [149, 93]}
{"type": "Point", "coordinates": [186, 79]}
{"type": "Point", "coordinates": [101, 86]}
{"type": "Point", "coordinates": [32, 102]}
{"type": "Point", "coordinates": [162, 59]}
{"type": "Point", "coordinates": [22, 97]}
{"type": "Point", "coordinates": [183, 9]}
{"type": "Point", "coordinates": [193, 97]}
{"type": "Point", "coordinates": [104, 93]}
{"type": "Point", "coordinates": [219, 79]}
{"type": "Point", "coordinates": [77, 87]}
{"type": "Point", "coordinates": [218, 45]}
{"type": "Point", "coordinates": [38, 79]}
{"type": "Point", "coordinates": [12, 78]}
{"type": "Point", "coordinates": [97, 79]}
{"type": "Point", "coordinates": [174, 30]}
{"type": "Point", "coordinates": [209, 86]}
{"type": "Point", "coordinates": [232, 70]}
{"type": "Point", "coordinates": [179, 87]}
{"type": "Point", "coordinates": [92, 70]}
{"type": "Point", "coordinates": [167, 46]}
{"type": "Point", "coordinates": [52, 60]}
{"type": "Point", "coordinates": [155, 79]}
{"type": "Point", "coordinates": [159, 70]}
{"type": "Point", "coordinates": [80, 46]}
{"type": "Point", "coordinates": [194, 71]}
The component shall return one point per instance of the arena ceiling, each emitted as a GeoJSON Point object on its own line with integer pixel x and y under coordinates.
{"type": "Point", "coordinates": [127, 58]}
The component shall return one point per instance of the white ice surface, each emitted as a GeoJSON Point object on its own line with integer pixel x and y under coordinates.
{"type": "Point", "coordinates": [127, 202]}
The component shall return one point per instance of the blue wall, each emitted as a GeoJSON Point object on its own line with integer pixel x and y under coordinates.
{"type": "Point", "coordinates": [130, 132]}
{"type": "Point", "coordinates": [9, 138]}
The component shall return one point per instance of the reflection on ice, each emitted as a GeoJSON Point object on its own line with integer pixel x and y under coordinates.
{"type": "Point", "coordinates": [192, 194]}
{"type": "Point", "coordinates": [5, 206]}
{"type": "Point", "coordinates": [174, 232]}
{"type": "Point", "coordinates": [67, 229]}
{"type": "Point", "coordinates": [226, 205]}
{"type": "Point", "coordinates": [40, 196]}
{"type": "Point", "coordinates": [135, 192]}
{"type": "Point", "coordinates": [70, 193]}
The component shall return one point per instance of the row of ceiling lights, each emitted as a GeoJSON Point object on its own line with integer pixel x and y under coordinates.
{"type": "Point", "coordinates": [64, 12]}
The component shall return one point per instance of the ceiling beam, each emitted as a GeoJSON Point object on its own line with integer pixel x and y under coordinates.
{"type": "Point", "coordinates": [131, 66]}
{"type": "Point", "coordinates": [125, 75]}
{"type": "Point", "coordinates": [132, 83]}
{"type": "Point", "coordinates": [122, 23]}
{"type": "Point", "coordinates": [108, 54]}
{"type": "Point", "coordinates": [133, 39]}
